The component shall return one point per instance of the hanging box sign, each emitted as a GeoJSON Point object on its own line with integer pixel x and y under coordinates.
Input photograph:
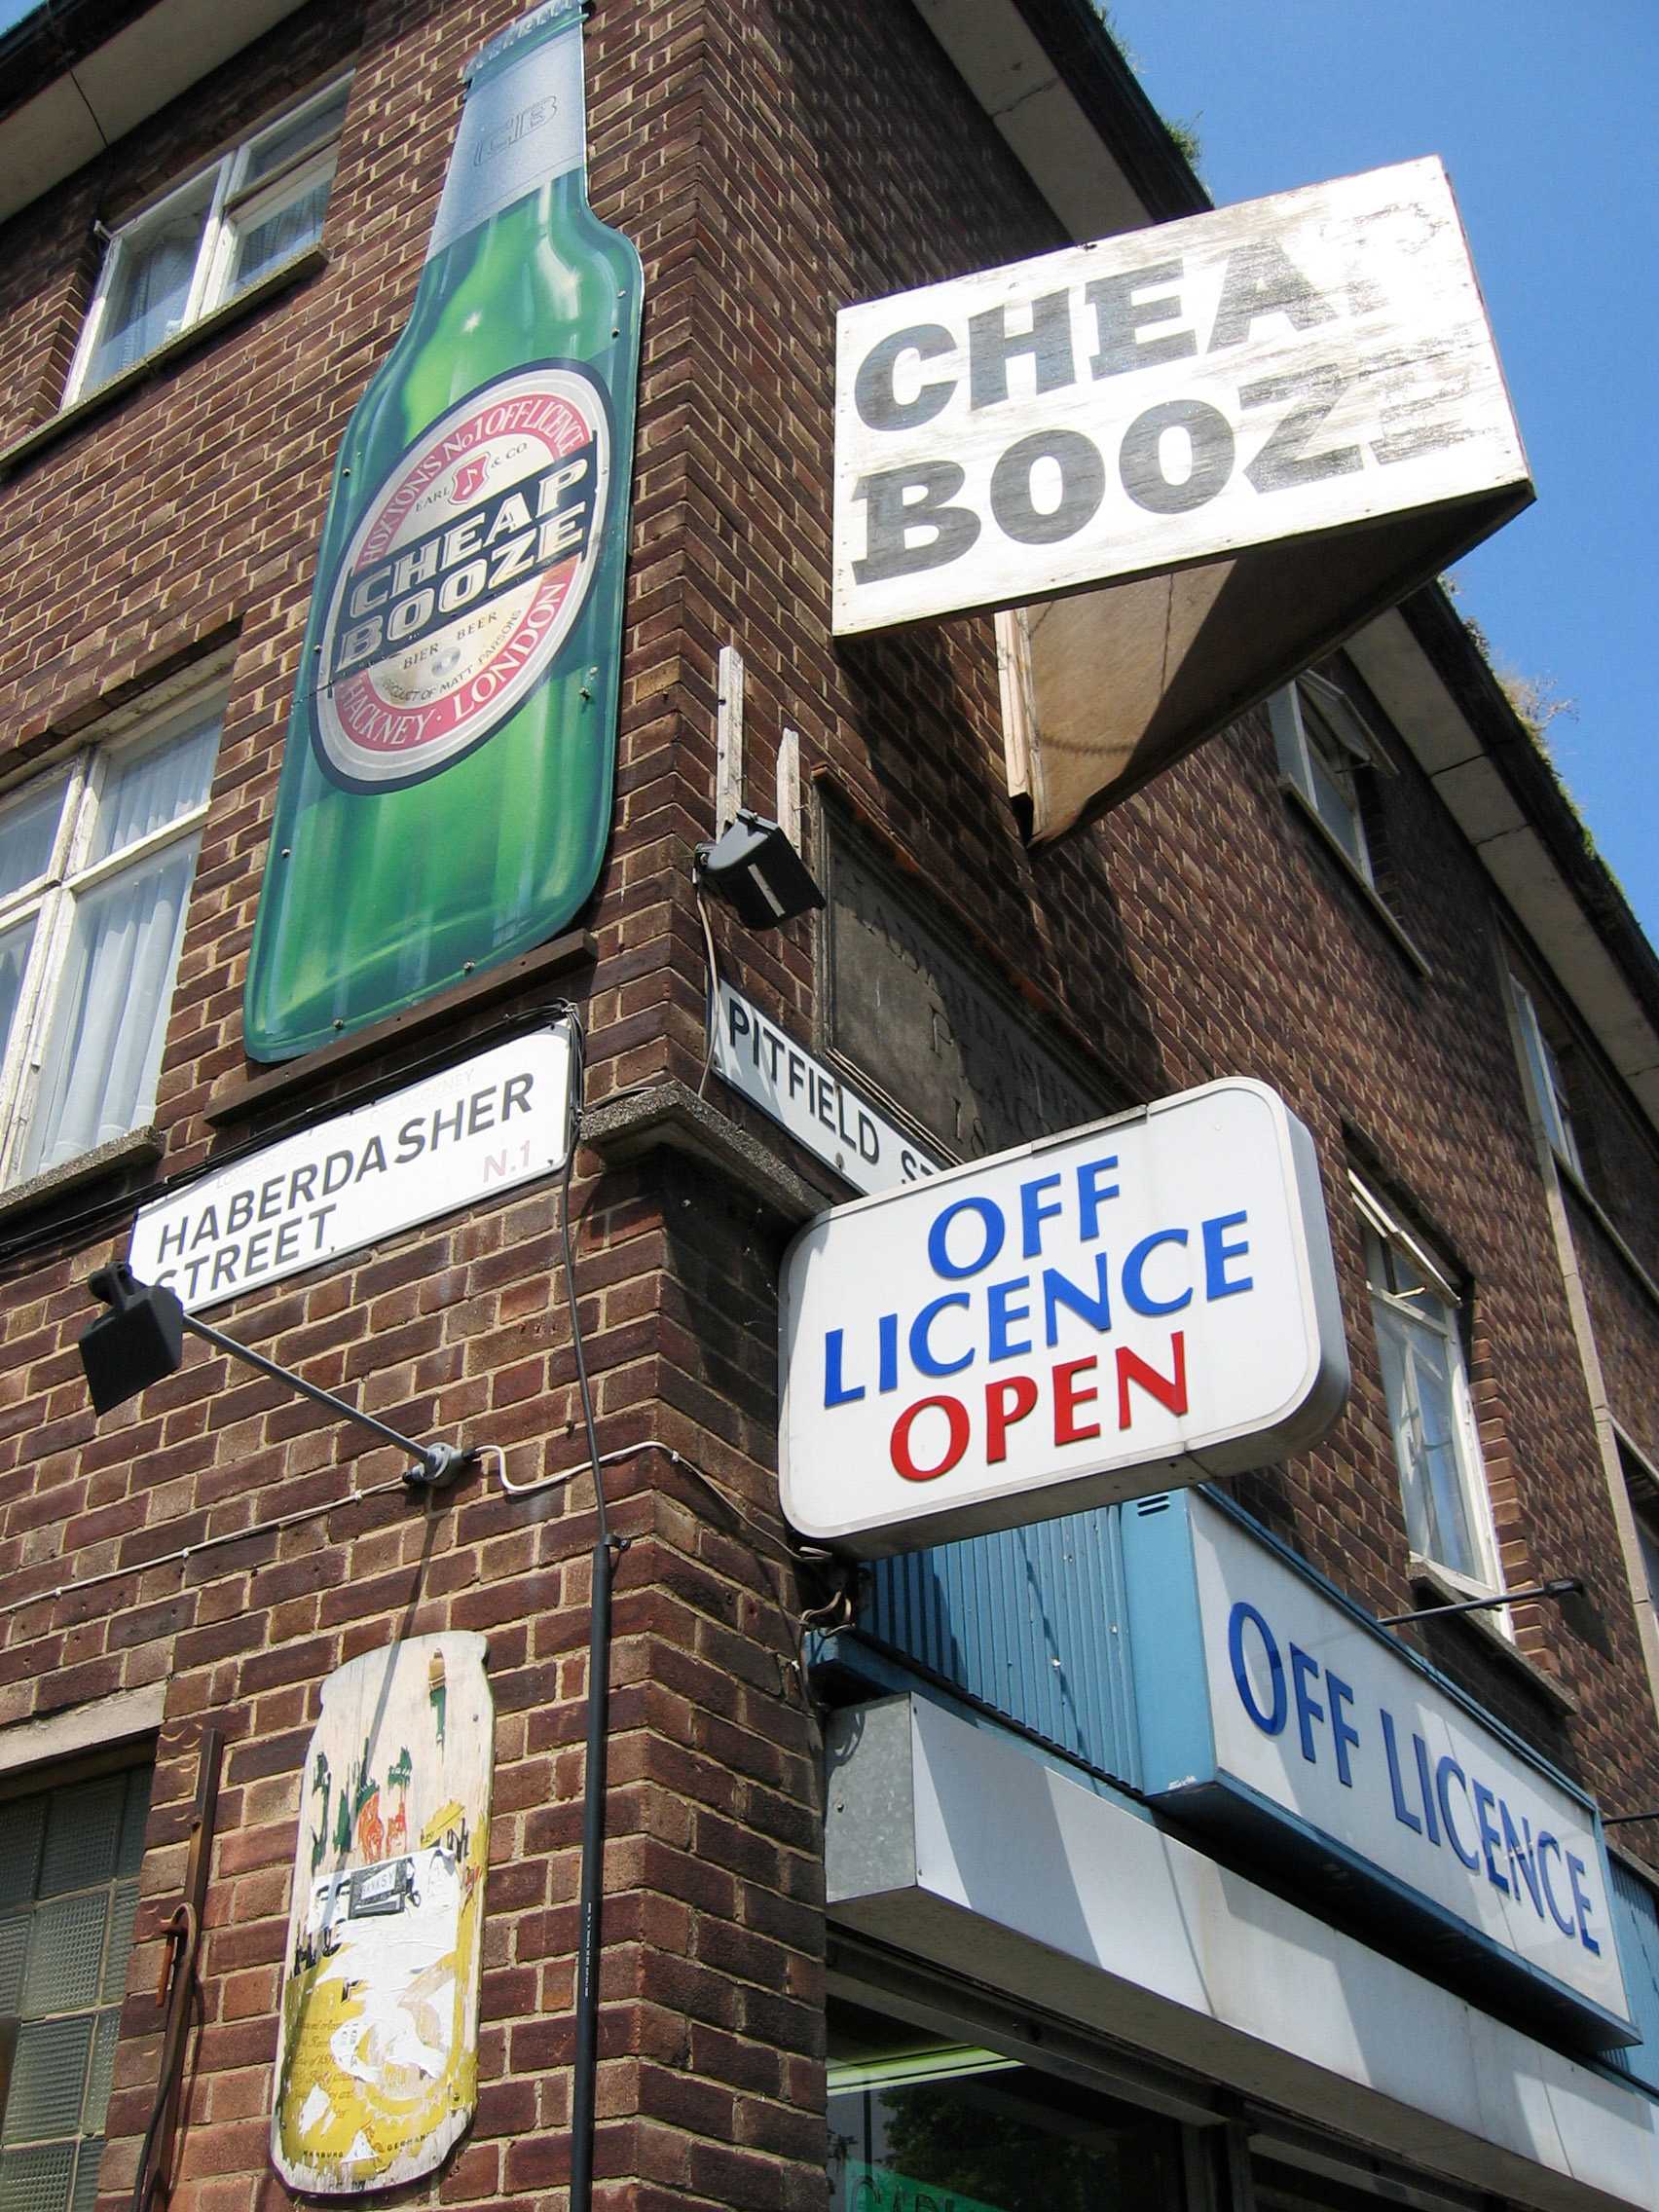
{"type": "Point", "coordinates": [1187, 414]}
{"type": "Point", "coordinates": [1145, 1302]}
{"type": "Point", "coordinates": [1275, 1713]}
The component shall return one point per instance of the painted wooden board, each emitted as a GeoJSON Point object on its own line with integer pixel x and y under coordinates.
{"type": "Point", "coordinates": [1303, 363]}
{"type": "Point", "coordinates": [377, 2068]}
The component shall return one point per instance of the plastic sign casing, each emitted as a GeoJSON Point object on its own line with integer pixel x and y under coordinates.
{"type": "Point", "coordinates": [1147, 1302]}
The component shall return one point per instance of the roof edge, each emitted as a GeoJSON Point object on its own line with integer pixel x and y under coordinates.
{"type": "Point", "coordinates": [1526, 768]}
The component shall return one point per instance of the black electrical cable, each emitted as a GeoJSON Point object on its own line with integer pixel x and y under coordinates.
{"type": "Point", "coordinates": [713, 988]}
{"type": "Point", "coordinates": [607, 1552]}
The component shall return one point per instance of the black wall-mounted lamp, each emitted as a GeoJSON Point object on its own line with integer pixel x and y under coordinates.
{"type": "Point", "coordinates": [754, 868]}
{"type": "Point", "coordinates": [141, 1339]}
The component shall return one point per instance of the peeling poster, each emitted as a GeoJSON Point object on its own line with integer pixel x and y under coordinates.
{"type": "Point", "coordinates": [377, 2065]}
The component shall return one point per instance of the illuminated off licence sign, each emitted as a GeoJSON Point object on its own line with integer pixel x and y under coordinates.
{"type": "Point", "coordinates": [1301, 363]}
{"type": "Point", "coordinates": [1147, 1302]}
{"type": "Point", "coordinates": [1277, 1711]}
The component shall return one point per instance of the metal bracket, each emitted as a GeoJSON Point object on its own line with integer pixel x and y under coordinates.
{"type": "Point", "coordinates": [439, 1465]}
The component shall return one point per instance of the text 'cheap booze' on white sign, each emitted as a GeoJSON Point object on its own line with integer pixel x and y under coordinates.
{"type": "Point", "coordinates": [1143, 1303]}
{"type": "Point", "coordinates": [1288, 365]}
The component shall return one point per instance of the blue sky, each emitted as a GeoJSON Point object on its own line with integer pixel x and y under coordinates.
{"type": "Point", "coordinates": [1543, 115]}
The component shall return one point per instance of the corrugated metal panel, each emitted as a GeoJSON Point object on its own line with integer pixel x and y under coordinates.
{"type": "Point", "coordinates": [1026, 1622]}
{"type": "Point", "coordinates": [1635, 1925]}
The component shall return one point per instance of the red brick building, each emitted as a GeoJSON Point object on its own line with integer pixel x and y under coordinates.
{"type": "Point", "coordinates": [856, 1825]}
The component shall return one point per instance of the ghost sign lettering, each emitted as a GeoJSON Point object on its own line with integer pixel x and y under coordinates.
{"type": "Point", "coordinates": [1146, 1302]}
{"type": "Point", "coordinates": [1296, 365]}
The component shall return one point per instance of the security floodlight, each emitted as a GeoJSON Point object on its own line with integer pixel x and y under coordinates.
{"type": "Point", "coordinates": [141, 1339]}
{"type": "Point", "coordinates": [754, 868]}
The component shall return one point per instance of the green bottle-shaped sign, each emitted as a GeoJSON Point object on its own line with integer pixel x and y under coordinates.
{"type": "Point", "coordinates": [446, 791]}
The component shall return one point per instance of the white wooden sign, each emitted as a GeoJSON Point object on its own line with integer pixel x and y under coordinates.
{"type": "Point", "coordinates": [1146, 1302]}
{"type": "Point", "coordinates": [1302, 363]}
{"type": "Point", "coordinates": [469, 1133]}
{"type": "Point", "coordinates": [376, 2064]}
{"type": "Point", "coordinates": [806, 1096]}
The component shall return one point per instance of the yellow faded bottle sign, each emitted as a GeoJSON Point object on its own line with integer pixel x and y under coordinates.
{"type": "Point", "coordinates": [377, 2066]}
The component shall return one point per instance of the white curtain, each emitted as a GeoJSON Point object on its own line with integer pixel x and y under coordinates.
{"type": "Point", "coordinates": [281, 235]}
{"type": "Point", "coordinates": [14, 959]}
{"type": "Point", "coordinates": [147, 790]}
{"type": "Point", "coordinates": [104, 1050]}
{"type": "Point", "coordinates": [147, 299]}
{"type": "Point", "coordinates": [109, 1018]}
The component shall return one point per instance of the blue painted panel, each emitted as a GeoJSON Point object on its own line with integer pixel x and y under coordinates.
{"type": "Point", "coordinates": [1028, 1623]}
{"type": "Point", "coordinates": [1166, 1643]}
{"type": "Point", "coordinates": [1635, 1924]}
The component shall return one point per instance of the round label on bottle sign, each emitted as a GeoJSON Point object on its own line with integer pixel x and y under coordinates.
{"type": "Point", "coordinates": [464, 576]}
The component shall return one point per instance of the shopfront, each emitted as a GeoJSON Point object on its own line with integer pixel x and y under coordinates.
{"type": "Point", "coordinates": [1059, 1980]}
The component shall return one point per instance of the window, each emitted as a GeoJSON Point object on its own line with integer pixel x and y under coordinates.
{"type": "Point", "coordinates": [69, 1860]}
{"type": "Point", "coordinates": [209, 241]}
{"type": "Point", "coordinates": [1642, 1483]}
{"type": "Point", "coordinates": [1323, 747]}
{"type": "Point", "coordinates": [1543, 1077]}
{"type": "Point", "coordinates": [96, 865]}
{"type": "Point", "coordinates": [1418, 1313]}
{"type": "Point", "coordinates": [913, 2122]}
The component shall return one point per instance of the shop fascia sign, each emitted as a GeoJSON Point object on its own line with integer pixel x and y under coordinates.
{"type": "Point", "coordinates": [1271, 1709]}
{"type": "Point", "coordinates": [1187, 415]}
{"type": "Point", "coordinates": [459, 1138]}
{"type": "Point", "coordinates": [1144, 1302]}
{"type": "Point", "coordinates": [806, 1096]}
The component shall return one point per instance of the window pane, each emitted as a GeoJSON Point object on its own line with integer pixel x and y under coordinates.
{"type": "Point", "coordinates": [151, 286]}
{"type": "Point", "coordinates": [314, 127]}
{"type": "Point", "coordinates": [1422, 1407]}
{"type": "Point", "coordinates": [87, 2176]}
{"type": "Point", "coordinates": [48, 2079]}
{"type": "Point", "coordinates": [1332, 798]}
{"type": "Point", "coordinates": [36, 2181]}
{"type": "Point", "coordinates": [102, 2071]}
{"type": "Point", "coordinates": [15, 946]}
{"type": "Point", "coordinates": [27, 832]}
{"type": "Point", "coordinates": [21, 1829]}
{"type": "Point", "coordinates": [1454, 1541]}
{"type": "Point", "coordinates": [132, 1822]}
{"type": "Point", "coordinates": [13, 1950]}
{"type": "Point", "coordinates": [145, 790]}
{"type": "Point", "coordinates": [64, 1947]}
{"type": "Point", "coordinates": [82, 1834]}
{"type": "Point", "coordinates": [122, 1908]}
{"type": "Point", "coordinates": [103, 1052]}
{"type": "Point", "coordinates": [66, 1954]}
{"type": "Point", "coordinates": [280, 228]}
{"type": "Point", "coordinates": [1009, 2141]}
{"type": "Point", "coordinates": [1647, 1536]}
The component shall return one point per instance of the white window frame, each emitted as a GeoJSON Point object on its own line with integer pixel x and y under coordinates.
{"type": "Point", "coordinates": [1641, 1488]}
{"type": "Point", "coordinates": [234, 206]}
{"type": "Point", "coordinates": [1544, 1079]}
{"type": "Point", "coordinates": [50, 900]}
{"type": "Point", "coordinates": [1439, 1307]}
{"type": "Point", "coordinates": [1316, 725]}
